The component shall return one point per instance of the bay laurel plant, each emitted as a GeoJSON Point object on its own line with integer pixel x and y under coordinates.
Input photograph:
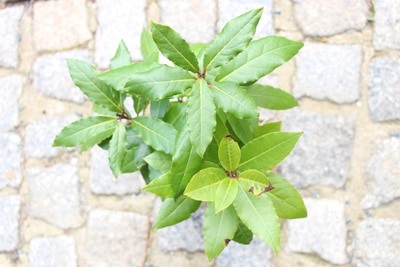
{"type": "Point", "coordinates": [193, 130]}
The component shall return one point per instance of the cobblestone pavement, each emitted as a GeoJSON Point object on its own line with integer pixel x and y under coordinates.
{"type": "Point", "coordinates": [62, 208]}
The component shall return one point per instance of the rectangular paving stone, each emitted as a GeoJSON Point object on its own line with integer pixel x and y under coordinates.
{"type": "Point", "coordinates": [52, 251]}
{"type": "Point", "coordinates": [386, 24]}
{"type": "Point", "coordinates": [118, 20]}
{"type": "Point", "coordinates": [54, 195]}
{"type": "Point", "coordinates": [9, 222]}
{"type": "Point", "coordinates": [10, 89]}
{"type": "Point", "coordinates": [116, 238]}
{"type": "Point", "coordinates": [10, 158]}
{"type": "Point", "coordinates": [328, 72]}
{"type": "Point", "coordinates": [323, 232]}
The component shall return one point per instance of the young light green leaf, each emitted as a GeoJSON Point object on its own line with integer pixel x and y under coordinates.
{"type": "Point", "coordinates": [176, 115]}
{"type": "Point", "coordinates": [261, 57]}
{"type": "Point", "coordinates": [253, 180]}
{"type": "Point", "coordinates": [259, 215]}
{"type": "Point", "coordinates": [229, 153]}
{"type": "Point", "coordinates": [158, 108]}
{"type": "Point", "coordinates": [161, 186]}
{"type": "Point", "coordinates": [201, 116]}
{"type": "Point", "coordinates": [243, 234]}
{"type": "Point", "coordinates": [243, 129]}
{"type": "Point", "coordinates": [117, 150]}
{"type": "Point", "coordinates": [232, 39]}
{"type": "Point", "coordinates": [268, 128]}
{"type": "Point", "coordinates": [218, 229]}
{"type": "Point", "coordinates": [271, 98]}
{"type": "Point", "coordinates": [173, 212]}
{"type": "Point", "coordinates": [155, 133]}
{"type": "Point", "coordinates": [225, 194]}
{"type": "Point", "coordinates": [159, 161]}
{"type": "Point", "coordinates": [148, 48]}
{"type": "Point", "coordinates": [122, 57]}
{"type": "Point", "coordinates": [203, 185]}
{"type": "Point", "coordinates": [266, 151]}
{"type": "Point", "coordinates": [174, 47]}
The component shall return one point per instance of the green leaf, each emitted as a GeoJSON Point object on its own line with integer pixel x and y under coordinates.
{"type": "Point", "coordinates": [220, 129]}
{"type": "Point", "coordinates": [155, 133]}
{"type": "Point", "coordinates": [243, 234]}
{"type": "Point", "coordinates": [129, 163]}
{"type": "Point", "coordinates": [286, 199]}
{"type": "Point", "coordinates": [139, 103]}
{"type": "Point", "coordinates": [225, 194]}
{"type": "Point", "coordinates": [161, 186]}
{"type": "Point", "coordinates": [259, 215]}
{"type": "Point", "coordinates": [201, 116]}
{"type": "Point", "coordinates": [86, 132]}
{"type": "Point", "coordinates": [160, 82]}
{"type": "Point", "coordinates": [261, 57]}
{"type": "Point", "coordinates": [253, 180]}
{"type": "Point", "coordinates": [271, 98]}
{"type": "Point", "coordinates": [229, 153]}
{"type": "Point", "coordinates": [268, 128]}
{"type": "Point", "coordinates": [231, 98]}
{"type": "Point", "coordinates": [211, 153]}
{"type": "Point", "coordinates": [174, 47]}
{"type": "Point", "coordinates": [243, 129]}
{"type": "Point", "coordinates": [84, 76]}
{"type": "Point", "coordinates": [232, 39]}
{"type": "Point", "coordinates": [173, 212]}
{"type": "Point", "coordinates": [218, 228]}
{"type": "Point", "coordinates": [176, 115]}
{"type": "Point", "coordinates": [122, 57]}
{"type": "Point", "coordinates": [203, 185]}
{"type": "Point", "coordinates": [158, 108]}
{"type": "Point", "coordinates": [159, 161]}
{"type": "Point", "coordinates": [148, 48]}
{"type": "Point", "coordinates": [117, 150]}
{"type": "Point", "coordinates": [198, 49]}
{"type": "Point", "coordinates": [266, 151]}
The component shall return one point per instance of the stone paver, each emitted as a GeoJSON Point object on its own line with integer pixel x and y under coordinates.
{"type": "Point", "coordinates": [328, 72]}
{"type": "Point", "coordinates": [53, 251]}
{"type": "Point", "coordinates": [324, 18]}
{"type": "Point", "coordinates": [386, 24]}
{"type": "Point", "coordinates": [51, 77]}
{"type": "Point", "coordinates": [383, 174]}
{"type": "Point", "coordinates": [54, 195]}
{"type": "Point", "coordinates": [103, 182]}
{"type": "Point", "coordinates": [59, 25]}
{"type": "Point", "coordinates": [9, 36]}
{"type": "Point", "coordinates": [116, 238]}
{"type": "Point", "coordinates": [10, 88]}
{"type": "Point", "coordinates": [323, 154]}
{"type": "Point", "coordinates": [9, 222]}
{"type": "Point", "coordinates": [323, 231]}
{"type": "Point", "coordinates": [377, 243]}
{"type": "Point", "coordinates": [384, 93]}
{"type": "Point", "coordinates": [118, 20]}
{"type": "Point", "coordinates": [10, 157]}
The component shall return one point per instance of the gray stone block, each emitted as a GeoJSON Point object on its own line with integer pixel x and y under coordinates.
{"type": "Point", "coordinates": [387, 24]}
{"type": "Point", "coordinates": [51, 76]}
{"type": "Point", "coordinates": [328, 72]}
{"type": "Point", "coordinates": [324, 18]}
{"type": "Point", "coordinates": [384, 93]}
{"type": "Point", "coordinates": [103, 182]}
{"type": "Point", "coordinates": [377, 243]}
{"type": "Point", "coordinates": [54, 195]}
{"type": "Point", "coordinates": [9, 222]}
{"type": "Point", "coordinates": [9, 36]}
{"type": "Point", "coordinates": [323, 154]}
{"type": "Point", "coordinates": [116, 238]}
{"type": "Point", "coordinates": [10, 158]}
{"type": "Point", "coordinates": [383, 171]}
{"type": "Point", "coordinates": [323, 231]}
{"type": "Point", "coordinates": [59, 25]}
{"type": "Point", "coordinates": [118, 20]}
{"type": "Point", "coordinates": [10, 88]}
{"type": "Point", "coordinates": [53, 251]}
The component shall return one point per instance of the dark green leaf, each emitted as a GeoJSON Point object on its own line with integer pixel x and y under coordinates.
{"type": "Point", "coordinates": [139, 103]}
{"type": "Point", "coordinates": [220, 129]}
{"type": "Point", "coordinates": [159, 161]}
{"type": "Point", "coordinates": [243, 234]}
{"type": "Point", "coordinates": [122, 57]}
{"type": "Point", "coordinates": [243, 129]}
{"type": "Point", "coordinates": [148, 48]}
{"type": "Point", "coordinates": [271, 98]}
{"type": "Point", "coordinates": [158, 108]}
{"type": "Point", "coordinates": [203, 185]}
{"type": "Point", "coordinates": [176, 115]}
{"type": "Point", "coordinates": [161, 186]}
{"type": "Point", "coordinates": [117, 150]}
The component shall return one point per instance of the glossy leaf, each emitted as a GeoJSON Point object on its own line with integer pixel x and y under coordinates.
{"type": "Point", "coordinates": [203, 185]}
{"type": "Point", "coordinates": [268, 128]}
{"type": "Point", "coordinates": [161, 186]}
{"type": "Point", "coordinates": [271, 98]}
{"type": "Point", "coordinates": [148, 48]}
{"type": "Point", "coordinates": [253, 180]}
{"type": "Point", "coordinates": [117, 150]}
{"type": "Point", "coordinates": [122, 57]}
{"type": "Point", "coordinates": [225, 194]}
{"type": "Point", "coordinates": [159, 161]}
{"type": "Point", "coordinates": [229, 153]}
{"type": "Point", "coordinates": [158, 108]}
{"type": "Point", "coordinates": [243, 234]}
{"type": "Point", "coordinates": [243, 129]}
{"type": "Point", "coordinates": [139, 103]}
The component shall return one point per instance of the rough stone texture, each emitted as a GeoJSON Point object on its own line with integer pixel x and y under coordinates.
{"type": "Point", "coordinates": [9, 222]}
{"type": "Point", "coordinates": [118, 20]}
{"type": "Point", "coordinates": [116, 238]}
{"type": "Point", "coordinates": [40, 135]}
{"type": "Point", "coordinates": [51, 76]}
{"type": "Point", "coordinates": [377, 243]}
{"type": "Point", "coordinates": [323, 231]}
{"type": "Point", "coordinates": [384, 93]}
{"type": "Point", "coordinates": [103, 182]}
{"type": "Point", "coordinates": [323, 154]}
{"type": "Point", "coordinates": [324, 18]}
{"type": "Point", "coordinates": [383, 172]}
{"type": "Point", "coordinates": [254, 255]}
{"type": "Point", "coordinates": [9, 36]}
{"type": "Point", "coordinates": [10, 90]}
{"type": "Point", "coordinates": [229, 9]}
{"type": "Point", "coordinates": [387, 24]}
{"type": "Point", "coordinates": [59, 25]}
{"type": "Point", "coordinates": [53, 251]}
{"type": "Point", "coordinates": [328, 72]}
{"type": "Point", "coordinates": [54, 195]}
{"type": "Point", "coordinates": [194, 20]}
{"type": "Point", "coordinates": [10, 158]}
